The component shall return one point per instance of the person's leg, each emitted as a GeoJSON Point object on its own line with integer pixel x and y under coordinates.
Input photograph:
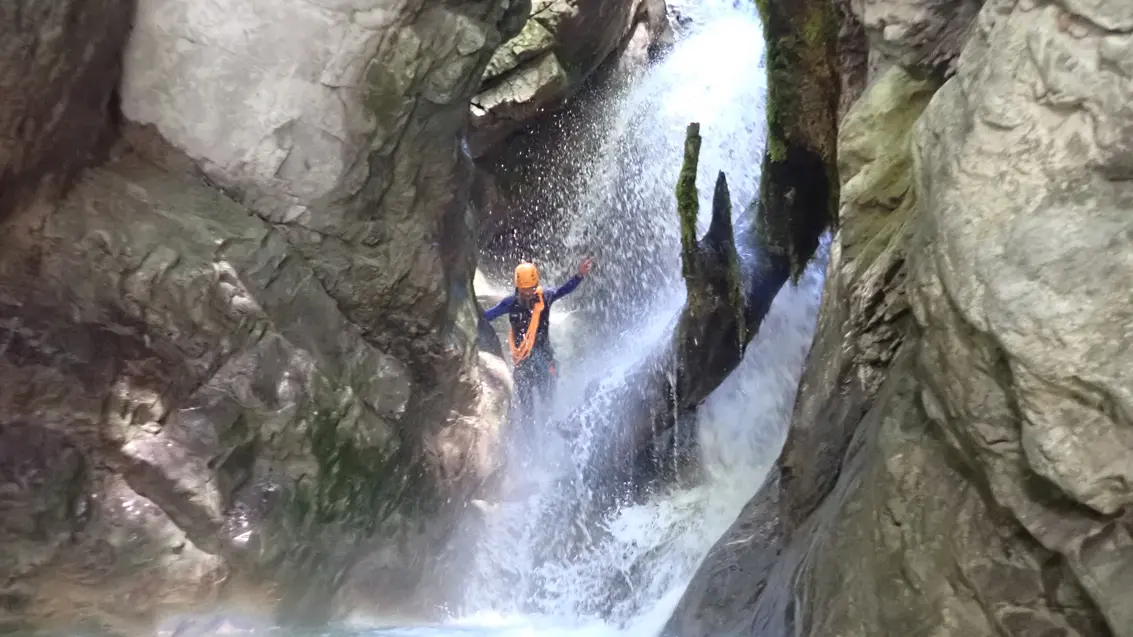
{"type": "Point", "coordinates": [545, 387]}
{"type": "Point", "coordinates": [542, 383]}
{"type": "Point", "coordinates": [550, 383]}
{"type": "Point", "coordinates": [523, 407]}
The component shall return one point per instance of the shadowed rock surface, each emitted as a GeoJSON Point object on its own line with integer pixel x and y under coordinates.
{"type": "Point", "coordinates": [958, 462]}
{"type": "Point", "coordinates": [541, 90]}
{"type": "Point", "coordinates": [926, 35]}
{"type": "Point", "coordinates": [55, 103]}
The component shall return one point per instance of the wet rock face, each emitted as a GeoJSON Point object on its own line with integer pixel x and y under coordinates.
{"type": "Point", "coordinates": [57, 103]}
{"type": "Point", "coordinates": [43, 477]}
{"type": "Point", "coordinates": [64, 515]}
{"type": "Point", "coordinates": [959, 459]}
{"type": "Point", "coordinates": [238, 357]}
{"type": "Point", "coordinates": [561, 43]}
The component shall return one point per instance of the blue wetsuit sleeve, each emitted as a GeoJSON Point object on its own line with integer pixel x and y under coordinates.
{"type": "Point", "coordinates": [501, 308]}
{"type": "Point", "coordinates": [557, 293]}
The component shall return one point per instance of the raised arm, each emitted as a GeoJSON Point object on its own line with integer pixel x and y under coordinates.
{"type": "Point", "coordinates": [501, 308]}
{"type": "Point", "coordinates": [555, 294]}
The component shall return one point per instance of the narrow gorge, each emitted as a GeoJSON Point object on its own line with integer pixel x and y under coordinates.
{"type": "Point", "coordinates": [849, 362]}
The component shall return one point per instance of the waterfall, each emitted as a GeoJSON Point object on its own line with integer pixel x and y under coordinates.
{"type": "Point", "coordinates": [547, 563]}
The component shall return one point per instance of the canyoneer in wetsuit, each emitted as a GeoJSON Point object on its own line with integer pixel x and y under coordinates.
{"type": "Point", "coordinates": [529, 311]}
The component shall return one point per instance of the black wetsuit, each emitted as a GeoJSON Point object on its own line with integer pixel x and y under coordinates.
{"type": "Point", "coordinates": [536, 372]}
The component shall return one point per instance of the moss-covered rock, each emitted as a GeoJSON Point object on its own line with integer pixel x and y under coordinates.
{"type": "Point", "coordinates": [712, 332]}
{"type": "Point", "coordinates": [798, 188]}
{"type": "Point", "coordinates": [874, 162]}
{"type": "Point", "coordinates": [534, 40]}
{"type": "Point", "coordinates": [688, 198]}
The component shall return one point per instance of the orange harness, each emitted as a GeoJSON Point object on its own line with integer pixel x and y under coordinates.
{"type": "Point", "coordinates": [518, 354]}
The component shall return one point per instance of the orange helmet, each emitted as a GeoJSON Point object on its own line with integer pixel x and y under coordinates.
{"type": "Point", "coordinates": [526, 276]}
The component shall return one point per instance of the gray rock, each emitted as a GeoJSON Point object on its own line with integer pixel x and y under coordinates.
{"type": "Point", "coordinates": [864, 314]}
{"type": "Point", "coordinates": [330, 112]}
{"type": "Point", "coordinates": [1022, 283]}
{"type": "Point", "coordinates": [237, 361]}
{"type": "Point", "coordinates": [921, 34]}
{"type": "Point", "coordinates": [966, 474]}
{"type": "Point", "coordinates": [66, 516]}
{"type": "Point", "coordinates": [532, 41]}
{"type": "Point", "coordinates": [853, 56]}
{"type": "Point", "coordinates": [523, 94]}
{"type": "Point", "coordinates": [201, 361]}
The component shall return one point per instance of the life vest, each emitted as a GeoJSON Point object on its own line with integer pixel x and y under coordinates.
{"type": "Point", "coordinates": [520, 352]}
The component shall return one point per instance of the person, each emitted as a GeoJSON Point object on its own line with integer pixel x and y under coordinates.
{"type": "Point", "coordinates": [529, 312]}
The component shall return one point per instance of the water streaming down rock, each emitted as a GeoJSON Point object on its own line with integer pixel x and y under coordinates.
{"type": "Point", "coordinates": [548, 551]}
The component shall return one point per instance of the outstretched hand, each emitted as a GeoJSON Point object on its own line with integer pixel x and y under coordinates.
{"type": "Point", "coordinates": [584, 267]}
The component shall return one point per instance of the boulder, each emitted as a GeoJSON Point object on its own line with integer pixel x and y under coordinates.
{"type": "Point", "coordinates": [1021, 286]}
{"type": "Point", "coordinates": [958, 461]}
{"type": "Point", "coordinates": [918, 34]}
{"type": "Point", "coordinates": [559, 47]}
{"type": "Point", "coordinates": [798, 191]}
{"type": "Point", "coordinates": [238, 364]}
{"type": "Point", "coordinates": [331, 111]}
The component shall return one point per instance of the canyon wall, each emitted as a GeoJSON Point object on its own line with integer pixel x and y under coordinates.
{"type": "Point", "coordinates": [960, 457]}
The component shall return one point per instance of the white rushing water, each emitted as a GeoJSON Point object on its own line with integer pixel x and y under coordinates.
{"type": "Point", "coordinates": [542, 568]}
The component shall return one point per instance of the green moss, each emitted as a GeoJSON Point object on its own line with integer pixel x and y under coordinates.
{"type": "Point", "coordinates": [761, 5]}
{"type": "Point", "coordinates": [876, 159]}
{"type": "Point", "coordinates": [355, 487]}
{"type": "Point", "coordinates": [799, 192]}
{"type": "Point", "coordinates": [688, 199]}
{"type": "Point", "coordinates": [710, 265]}
{"type": "Point", "coordinates": [815, 28]}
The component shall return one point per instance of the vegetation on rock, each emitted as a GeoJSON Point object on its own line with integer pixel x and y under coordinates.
{"type": "Point", "coordinates": [712, 332]}
{"type": "Point", "coordinates": [798, 196]}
